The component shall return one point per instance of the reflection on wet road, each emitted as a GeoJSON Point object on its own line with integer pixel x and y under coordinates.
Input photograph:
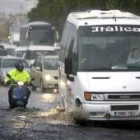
{"type": "Point", "coordinates": [43, 101]}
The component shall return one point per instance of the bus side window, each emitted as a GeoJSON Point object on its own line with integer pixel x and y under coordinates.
{"type": "Point", "coordinates": [72, 55]}
{"type": "Point", "coordinates": [70, 48]}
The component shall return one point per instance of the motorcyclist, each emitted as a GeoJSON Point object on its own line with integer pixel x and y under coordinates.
{"type": "Point", "coordinates": [17, 74]}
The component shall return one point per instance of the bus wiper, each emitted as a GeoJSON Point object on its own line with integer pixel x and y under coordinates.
{"type": "Point", "coordinates": [119, 67]}
{"type": "Point", "coordinates": [125, 67]}
{"type": "Point", "coordinates": [101, 69]}
{"type": "Point", "coordinates": [133, 67]}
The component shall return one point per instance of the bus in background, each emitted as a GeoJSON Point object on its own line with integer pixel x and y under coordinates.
{"type": "Point", "coordinates": [38, 33]}
{"type": "Point", "coordinates": [10, 49]}
{"type": "Point", "coordinates": [3, 52]}
{"type": "Point", "coordinates": [32, 52]}
{"type": "Point", "coordinates": [37, 37]}
{"type": "Point", "coordinates": [21, 51]}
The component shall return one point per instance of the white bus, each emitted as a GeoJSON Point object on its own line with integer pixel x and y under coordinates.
{"type": "Point", "coordinates": [37, 37]}
{"type": "Point", "coordinates": [30, 53]}
{"type": "Point", "coordinates": [38, 33]}
{"type": "Point", "coordinates": [95, 74]}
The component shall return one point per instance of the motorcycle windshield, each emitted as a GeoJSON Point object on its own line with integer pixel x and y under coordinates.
{"type": "Point", "coordinates": [19, 92]}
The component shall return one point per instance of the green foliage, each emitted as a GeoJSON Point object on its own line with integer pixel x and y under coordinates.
{"type": "Point", "coordinates": [56, 11]}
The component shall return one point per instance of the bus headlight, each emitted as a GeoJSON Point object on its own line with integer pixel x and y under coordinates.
{"type": "Point", "coordinates": [48, 77]}
{"type": "Point", "coordinates": [14, 96]}
{"type": "Point", "coordinates": [93, 97]}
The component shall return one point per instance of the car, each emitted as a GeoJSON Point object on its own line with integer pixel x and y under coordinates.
{"type": "Point", "coordinates": [7, 63]}
{"type": "Point", "coordinates": [45, 73]}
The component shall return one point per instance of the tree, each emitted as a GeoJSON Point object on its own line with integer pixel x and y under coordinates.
{"type": "Point", "coordinates": [56, 11]}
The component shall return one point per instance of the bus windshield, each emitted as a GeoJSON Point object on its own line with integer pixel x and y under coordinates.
{"type": "Point", "coordinates": [109, 48]}
{"type": "Point", "coordinates": [31, 54]}
{"type": "Point", "coordinates": [41, 35]}
{"type": "Point", "coordinates": [3, 53]}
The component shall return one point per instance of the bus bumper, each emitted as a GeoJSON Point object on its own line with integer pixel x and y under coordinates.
{"type": "Point", "coordinates": [103, 111]}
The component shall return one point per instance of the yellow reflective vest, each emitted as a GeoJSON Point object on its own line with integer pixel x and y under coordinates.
{"type": "Point", "coordinates": [18, 76]}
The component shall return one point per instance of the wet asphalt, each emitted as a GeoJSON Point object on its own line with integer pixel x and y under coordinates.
{"type": "Point", "coordinates": [44, 119]}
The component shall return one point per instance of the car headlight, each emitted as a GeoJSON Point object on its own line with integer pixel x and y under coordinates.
{"type": "Point", "coordinates": [93, 97]}
{"type": "Point", "coordinates": [20, 83]}
{"type": "Point", "coordinates": [48, 77]}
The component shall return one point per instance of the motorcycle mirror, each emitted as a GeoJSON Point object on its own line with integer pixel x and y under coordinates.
{"type": "Point", "coordinates": [8, 75]}
{"type": "Point", "coordinates": [32, 79]}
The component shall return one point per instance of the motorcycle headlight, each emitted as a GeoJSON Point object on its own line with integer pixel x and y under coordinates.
{"type": "Point", "coordinates": [48, 77]}
{"type": "Point", "coordinates": [93, 97]}
{"type": "Point", "coordinates": [25, 97]}
{"type": "Point", "coordinates": [14, 96]}
{"type": "Point", "coordinates": [20, 83]}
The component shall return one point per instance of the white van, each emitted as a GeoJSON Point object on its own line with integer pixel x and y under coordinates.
{"type": "Point", "coordinates": [95, 75]}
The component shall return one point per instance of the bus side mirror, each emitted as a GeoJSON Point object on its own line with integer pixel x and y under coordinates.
{"type": "Point", "coordinates": [68, 66]}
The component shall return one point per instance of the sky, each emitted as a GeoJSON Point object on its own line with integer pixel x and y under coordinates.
{"type": "Point", "coordinates": [16, 6]}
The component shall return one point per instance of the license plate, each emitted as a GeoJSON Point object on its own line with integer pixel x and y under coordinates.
{"type": "Point", "coordinates": [124, 114]}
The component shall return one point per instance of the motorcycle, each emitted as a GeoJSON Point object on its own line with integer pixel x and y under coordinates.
{"type": "Point", "coordinates": [19, 95]}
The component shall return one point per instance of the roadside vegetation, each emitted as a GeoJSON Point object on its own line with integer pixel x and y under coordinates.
{"type": "Point", "coordinates": [56, 11]}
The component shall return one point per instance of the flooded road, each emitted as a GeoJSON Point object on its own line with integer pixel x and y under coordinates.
{"type": "Point", "coordinates": [43, 119]}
